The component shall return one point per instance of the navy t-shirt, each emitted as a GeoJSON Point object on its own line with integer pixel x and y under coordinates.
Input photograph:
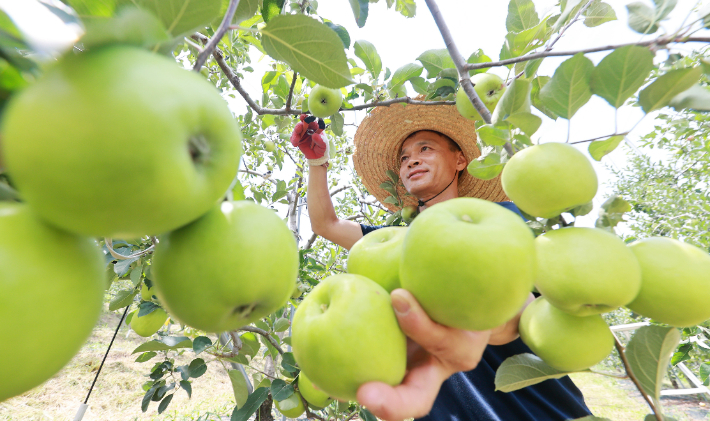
{"type": "Point", "coordinates": [471, 395]}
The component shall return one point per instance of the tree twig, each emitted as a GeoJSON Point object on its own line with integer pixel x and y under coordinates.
{"type": "Point", "coordinates": [310, 241]}
{"type": "Point", "coordinates": [265, 334]}
{"type": "Point", "coordinates": [655, 42]}
{"type": "Point", "coordinates": [632, 376]}
{"type": "Point", "coordinates": [264, 176]}
{"type": "Point", "coordinates": [598, 138]}
{"type": "Point", "coordinates": [221, 30]}
{"type": "Point", "coordinates": [290, 92]}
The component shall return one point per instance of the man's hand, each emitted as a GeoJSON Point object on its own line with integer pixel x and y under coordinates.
{"type": "Point", "coordinates": [307, 137]}
{"type": "Point", "coordinates": [434, 352]}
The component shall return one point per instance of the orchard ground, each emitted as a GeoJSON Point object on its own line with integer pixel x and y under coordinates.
{"type": "Point", "coordinates": [117, 394]}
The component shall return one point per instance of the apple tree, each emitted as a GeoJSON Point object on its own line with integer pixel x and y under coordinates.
{"type": "Point", "coordinates": [217, 38]}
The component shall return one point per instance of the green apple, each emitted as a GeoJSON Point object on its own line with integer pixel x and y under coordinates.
{"type": "Point", "coordinates": [233, 266]}
{"type": "Point", "coordinates": [324, 102]}
{"type": "Point", "coordinates": [129, 144]}
{"type": "Point", "coordinates": [377, 256]}
{"type": "Point", "coordinates": [291, 407]}
{"type": "Point", "coordinates": [563, 341]}
{"type": "Point", "coordinates": [315, 397]}
{"type": "Point", "coordinates": [409, 213]}
{"type": "Point", "coordinates": [147, 293]}
{"type": "Point", "coordinates": [469, 262]}
{"type": "Point", "coordinates": [51, 293]}
{"type": "Point", "coordinates": [586, 271]}
{"type": "Point", "coordinates": [345, 334]}
{"type": "Point", "coordinates": [546, 180]}
{"type": "Point", "coordinates": [675, 282]}
{"type": "Point", "coordinates": [489, 87]}
{"type": "Point", "coordinates": [269, 146]}
{"type": "Point", "coordinates": [150, 323]}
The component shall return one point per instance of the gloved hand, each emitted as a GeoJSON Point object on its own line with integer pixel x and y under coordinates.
{"type": "Point", "coordinates": [307, 137]}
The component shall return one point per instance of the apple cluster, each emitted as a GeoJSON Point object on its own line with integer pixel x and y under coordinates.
{"type": "Point", "coordinates": [120, 142]}
{"type": "Point", "coordinates": [473, 265]}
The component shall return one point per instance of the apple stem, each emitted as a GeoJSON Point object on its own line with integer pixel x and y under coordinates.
{"type": "Point", "coordinates": [620, 348]}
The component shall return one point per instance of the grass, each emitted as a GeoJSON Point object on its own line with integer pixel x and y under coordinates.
{"type": "Point", "coordinates": [117, 394]}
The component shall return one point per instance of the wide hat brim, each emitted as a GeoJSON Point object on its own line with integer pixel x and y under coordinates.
{"type": "Point", "coordinates": [379, 138]}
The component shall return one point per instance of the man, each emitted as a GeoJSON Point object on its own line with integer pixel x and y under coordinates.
{"type": "Point", "coordinates": [450, 371]}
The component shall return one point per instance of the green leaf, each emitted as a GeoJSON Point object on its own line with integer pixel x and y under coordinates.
{"type": "Point", "coordinates": [568, 90]}
{"type": "Point", "coordinates": [187, 387]}
{"type": "Point", "coordinates": [309, 47]}
{"type": "Point", "coordinates": [582, 210]}
{"type": "Point", "coordinates": [527, 122]}
{"type": "Point", "coordinates": [289, 362]}
{"type": "Point", "coordinates": [599, 148]}
{"type": "Point", "coordinates": [239, 387]}
{"type": "Point", "coordinates": [278, 195]}
{"type": "Point", "coordinates": [164, 403]}
{"type": "Point", "coordinates": [246, 9]}
{"type": "Point", "coordinates": [360, 11]}
{"type": "Point", "coordinates": [660, 93]}
{"type": "Point", "coordinates": [252, 404]}
{"type": "Point", "coordinates": [419, 85]}
{"type": "Point", "coordinates": [183, 16]}
{"type": "Point", "coordinates": [642, 18]}
{"type": "Point", "coordinates": [648, 353]}
{"type": "Point", "coordinates": [148, 397]}
{"type": "Point", "coordinates": [652, 417]}
{"type": "Point", "coordinates": [337, 121]}
{"type": "Point", "coordinates": [122, 298]}
{"type": "Point", "coordinates": [493, 135]}
{"type": "Point", "coordinates": [281, 324]}
{"type": "Point", "coordinates": [391, 200]}
{"type": "Point", "coordinates": [405, 73]}
{"type": "Point", "coordinates": [136, 275]}
{"type": "Point", "coordinates": [131, 25]}
{"type": "Point", "coordinates": [696, 98]}
{"type": "Point", "coordinates": [366, 415]}
{"type": "Point", "coordinates": [200, 344]}
{"type": "Point", "coordinates": [281, 390]}
{"type": "Point", "coordinates": [393, 176]}
{"type": "Point", "coordinates": [478, 57]}
{"type": "Point", "coordinates": [598, 13]}
{"type": "Point", "coordinates": [197, 368]}
{"type": "Point", "coordinates": [407, 8]}
{"type": "Point", "coordinates": [271, 8]}
{"type": "Point", "coordinates": [366, 51]}
{"type": "Point", "coordinates": [621, 73]}
{"type": "Point", "coordinates": [664, 8]}
{"type": "Point", "coordinates": [531, 67]}
{"type": "Point", "coordinates": [570, 9]}
{"type": "Point", "coordinates": [486, 167]}
{"type": "Point", "coordinates": [342, 33]}
{"type": "Point", "coordinates": [389, 187]}
{"type": "Point", "coordinates": [524, 370]}
{"type": "Point", "coordinates": [146, 308]}
{"type": "Point", "coordinates": [145, 356]}
{"type": "Point", "coordinates": [516, 99]}
{"type": "Point", "coordinates": [434, 61]}
{"type": "Point", "coordinates": [537, 85]}
{"type": "Point", "coordinates": [521, 16]}
{"type": "Point", "coordinates": [164, 344]}
{"type": "Point", "coordinates": [682, 354]}
{"type": "Point", "coordinates": [291, 402]}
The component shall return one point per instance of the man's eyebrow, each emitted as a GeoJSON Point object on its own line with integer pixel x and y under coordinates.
{"type": "Point", "coordinates": [419, 143]}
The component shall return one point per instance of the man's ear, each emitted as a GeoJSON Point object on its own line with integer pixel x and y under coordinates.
{"type": "Point", "coordinates": [461, 162]}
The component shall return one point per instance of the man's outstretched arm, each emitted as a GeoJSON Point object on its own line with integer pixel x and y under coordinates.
{"type": "Point", "coordinates": [324, 221]}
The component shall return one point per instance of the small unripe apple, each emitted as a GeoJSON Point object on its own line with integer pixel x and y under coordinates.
{"type": "Point", "coordinates": [150, 323]}
{"type": "Point", "coordinates": [291, 407]}
{"type": "Point", "coordinates": [324, 102]}
{"type": "Point", "coordinates": [409, 213]}
{"type": "Point", "coordinates": [147, 293]}
{"type": "Point", "coordinates": [315, 397]}
{"type": "Point", "coordinates": [563, 341]}
{"type": "Point", "coordinates": [489, 87]}
{"type": "Point", "coordinates": [269, 146]}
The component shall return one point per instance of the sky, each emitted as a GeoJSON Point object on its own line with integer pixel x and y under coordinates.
{"type": "Point", "coordinates": [480, 24]}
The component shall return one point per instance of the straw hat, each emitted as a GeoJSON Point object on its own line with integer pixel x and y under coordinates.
{"type": "Point", "coordinates": [379, 138]}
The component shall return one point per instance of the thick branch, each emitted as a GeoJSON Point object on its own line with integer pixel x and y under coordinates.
{"type": "Point", "coordinates": [632, 376]}
{"type": "Point", "coordinates": [655, 42]}
{"type": "Point", "coordinates": [265, 334]}
{"type": "Point", "coordinates": [212, 44]}
{"type": "Point", "coordinates": [310, 241]}
{"type": "Point", "coordinates": [293, 207]}
{"type": "Point", "coordinates": [339, 189]}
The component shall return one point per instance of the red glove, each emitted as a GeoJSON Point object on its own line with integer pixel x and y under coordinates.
{"type": "Point", "coordinates": [307, 137]}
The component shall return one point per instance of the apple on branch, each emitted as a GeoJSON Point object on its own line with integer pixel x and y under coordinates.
{"type": "Point", "coordinates": [324, 102]}
{"type": "Point", "coordinates": [489, 87]}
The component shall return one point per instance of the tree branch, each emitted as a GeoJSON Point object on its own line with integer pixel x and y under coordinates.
{"type": "Point", "coordinates": [339, 189]}
{"type": "Point", "coordinates": [632, 376]}
{"type": "Point", "coordinates": [460, 63]}
{"type": "Point", "coordinates": [108, 242]}
{"type": "Point", "coordinates": [265, 334]}
{"type": "Point", "coordinates": [264, 176]}
{"type": "Point", "coordinates": [598, 138]}
{"type": "Point", "coordinates": [221, 30]}
{"type": "Point", "coordinates": [655, 42]}
{"type": "Point", "coordinates": [290, 92]}
{"type": "Point", "coordinates": [310, 241]}
{"type": "Point", "coordinates": [404, 99]}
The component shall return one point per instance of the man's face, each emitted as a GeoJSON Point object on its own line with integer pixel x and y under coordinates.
{"type": "Point", "coordinates": [428, 163]}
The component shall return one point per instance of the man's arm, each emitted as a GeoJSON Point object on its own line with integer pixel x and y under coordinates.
{"type": "Point", "coordinates": [324, 221]}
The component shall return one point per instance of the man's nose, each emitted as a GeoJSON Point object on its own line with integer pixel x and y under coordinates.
{"type": "Point", "coordinates": [413, 161]}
